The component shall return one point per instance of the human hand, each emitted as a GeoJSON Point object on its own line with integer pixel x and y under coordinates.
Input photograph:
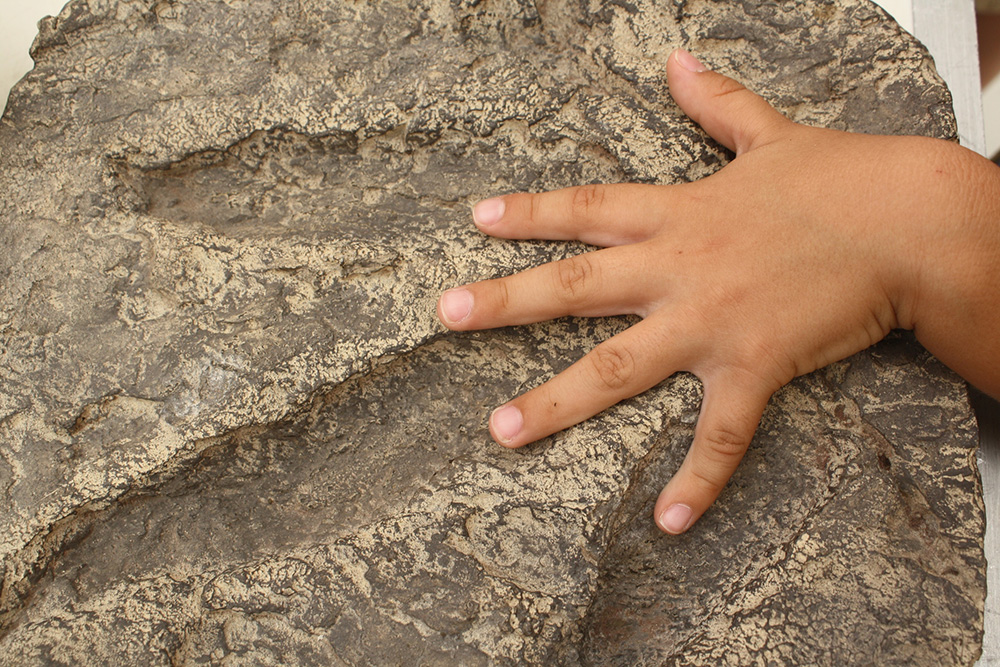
{"type": "Point", "coordinates": [796, 254]}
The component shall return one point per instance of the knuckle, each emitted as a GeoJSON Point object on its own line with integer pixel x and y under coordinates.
{"type": "Point", "coordinates": [587, 199]}
{"type": "Point", "coordinates": [728, 87]}
{"type": "Point", "coordinates": [708, 483]}
{"type": "Point", "coordinates": [614, 367]}
{"type": "Point", "coordinates": [574, 277]}
{"type": "Point", "coordinates": [725, 445]}
{"type": "Point", "coordinates": [534, 205]}
{"type": "Point", "coordinates": [502, 295]}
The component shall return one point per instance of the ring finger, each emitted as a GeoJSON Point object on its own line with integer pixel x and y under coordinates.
{"type": "Point", "coordinates": [623, 366]}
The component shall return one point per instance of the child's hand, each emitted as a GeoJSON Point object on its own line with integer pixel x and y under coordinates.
{"type": "Point", "coordinates": [810, 246]}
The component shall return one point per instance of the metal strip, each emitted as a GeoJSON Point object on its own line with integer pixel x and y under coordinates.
{"type": "Point", "coordinates": [948, 29]}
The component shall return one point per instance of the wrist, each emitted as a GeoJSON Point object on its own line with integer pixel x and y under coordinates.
{"type": "Point", "coordinates": [952, 301]}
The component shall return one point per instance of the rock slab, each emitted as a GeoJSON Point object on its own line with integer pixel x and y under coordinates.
{"type": "Point", "coordinates": [232, 432]}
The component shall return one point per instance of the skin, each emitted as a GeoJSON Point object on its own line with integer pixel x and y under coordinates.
{"type": "Point", "coordinates": [811, 245]}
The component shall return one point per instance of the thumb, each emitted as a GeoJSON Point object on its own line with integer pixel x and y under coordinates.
{"type": "Point", "coordinates": [729, 417]}
{"type": "Point", "coordinates": [731, 114]}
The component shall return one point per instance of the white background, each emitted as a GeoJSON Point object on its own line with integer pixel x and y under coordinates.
{"type": "Point", "coordinates": [18, 27]}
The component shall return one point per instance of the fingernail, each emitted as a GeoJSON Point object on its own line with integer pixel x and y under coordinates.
{"type": "Point", "coordinates": [456, 305]}
{"type": "Point", "coordinates": [507, 422]}
{"type": "Point", "coordinates": [689, 62]}
{"type": "Point", "coordinates": [488, 212]}
{"type": "Point", "coordinates": [675, 519]}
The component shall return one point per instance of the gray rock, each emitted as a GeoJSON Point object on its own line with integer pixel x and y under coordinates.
{"type": "Point", "coordinates": [232, 431]}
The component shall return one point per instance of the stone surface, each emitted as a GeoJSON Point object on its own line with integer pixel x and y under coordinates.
{"type": "Point", "coordinates": [232, 432]}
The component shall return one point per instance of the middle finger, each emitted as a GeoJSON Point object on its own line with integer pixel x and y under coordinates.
{"type": "Point", "coordinates": [613, 281]}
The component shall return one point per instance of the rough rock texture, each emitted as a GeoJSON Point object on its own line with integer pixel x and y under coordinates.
{"type": "Point", "coordinates": [232, 432]}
